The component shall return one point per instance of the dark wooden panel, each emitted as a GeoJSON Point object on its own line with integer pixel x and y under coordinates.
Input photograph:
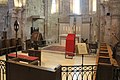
{"type": "Point", "coordinates": [35, 53]}
{"type": "Point", "coordinates": [0, 43]}
{"type": "Point", "coordinates": [28, 44]}
{"type": "Point", "coordinates": [19, 41]}
{"type": "Point", "coordinates": [20, 71]}
{"type": "Point", "coordinates": [104, 72]}
{"type": "Point", "coordinates": [3, 43]}
{"type": "Point", "coordinates": [7, 43]}
{"type": "Point", "coordinates": [16, 72]}
{"type": "Point", "coordinates": [13, 42]}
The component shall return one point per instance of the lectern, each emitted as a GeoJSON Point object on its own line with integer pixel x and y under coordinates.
{"type": "Point", "coordinates": [82, 50]}
{"type": "Point", "coordinates": [70, 46]}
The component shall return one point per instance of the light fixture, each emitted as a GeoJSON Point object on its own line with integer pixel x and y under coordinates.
{"type": "Point", "coordinates": [16, 25]}
{"type": "Point", "coordinates": [19, 3]}
{"type": "Point", "coordinates": [16, 28]}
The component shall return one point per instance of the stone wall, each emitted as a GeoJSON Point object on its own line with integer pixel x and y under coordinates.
{"type": "Point", "coordinates": [115, 23]}
{"type": "Point", "coordinates": [3, 19]}
{"type": "Point", "coordinates": [34, 8]}
{"type": "Point", "coordinates": [52, 24]}
{"type": "Point", "coordinates": [109, 21]}
{"type": "Point", "coordinates": [100, 28]}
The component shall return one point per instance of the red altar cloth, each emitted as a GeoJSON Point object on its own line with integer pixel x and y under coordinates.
{"type": "Point", "coordinates": [70, 45]}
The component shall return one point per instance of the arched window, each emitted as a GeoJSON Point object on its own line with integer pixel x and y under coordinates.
{"type": "Point", "coordinates": [76, 7]}
{"type": "Point", "coordinates": [94, 6]}
{"type": "Point", "coordinates": [19, 3]}
{"type": "Point", "coordinates": [54, 7]}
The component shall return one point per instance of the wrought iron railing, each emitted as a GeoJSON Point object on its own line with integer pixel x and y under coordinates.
{"type": "Point", "coordinates": [85, 72]}
{"type": "Point", "coordinates": [2, 70]}
{"type": "Point", "coordinates": [116, 73]}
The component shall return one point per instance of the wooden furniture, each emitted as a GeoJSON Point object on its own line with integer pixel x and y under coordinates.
{"type": "Point", "coordinates": [82, 48]}
{"type": "Point", "coordinates": [3, 51]}
{"type": "Point", "coordinates": [105, 63]}
{"type": "Point", "coordinates": [9, 45]}
{"type": "Point", "coordinates": [93, 47]}
{"type": "Point", "coordinates": [25, 58]}
{"type": "Point", "coordinates": [70, 46]}
{"type": "Point", "coordinates": [35, 53]}
{"type": "Point", "coordinates": [28, 44]}
{"type": "Point", "coordinates": [37, 40]}
{"type": "Point", "coordinates": [20, 71]}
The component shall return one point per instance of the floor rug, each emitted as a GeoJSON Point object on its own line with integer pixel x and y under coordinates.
{"type": "Point", "coordinates": [55, 48]}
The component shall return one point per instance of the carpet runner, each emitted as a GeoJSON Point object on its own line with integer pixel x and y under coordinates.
{"type": "Point", "coordinates": [55, 48]}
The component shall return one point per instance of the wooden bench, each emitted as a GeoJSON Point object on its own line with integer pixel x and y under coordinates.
{"type": "Point", "coordinates": [20, 71]}
{"type": "Point", "coordinates": [9, 45]}
{"type": "Point", "coordinates": [24, 58]}
{"type": "Point", "coordinates": [105, 63]}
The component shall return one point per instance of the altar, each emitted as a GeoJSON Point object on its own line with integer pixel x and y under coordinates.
{"type": "Point", "coordinates": [62, 38]}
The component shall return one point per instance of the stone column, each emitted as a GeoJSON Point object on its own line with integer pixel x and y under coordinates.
{"type": "Point", "coordinates": [22, 27]}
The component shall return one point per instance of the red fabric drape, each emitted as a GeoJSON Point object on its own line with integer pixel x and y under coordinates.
{"type": "Point", "coordinates": [70, 44]}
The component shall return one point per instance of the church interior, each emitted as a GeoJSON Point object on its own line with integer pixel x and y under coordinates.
{"type": "Point", "coordinates": [59, 40]}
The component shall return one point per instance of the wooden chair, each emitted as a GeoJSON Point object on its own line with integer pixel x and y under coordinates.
{"type": "Point", "coordinates": [35, 53]}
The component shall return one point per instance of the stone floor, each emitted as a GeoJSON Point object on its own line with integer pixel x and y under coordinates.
{"type": "Point", "coordinates": [51, 60]}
